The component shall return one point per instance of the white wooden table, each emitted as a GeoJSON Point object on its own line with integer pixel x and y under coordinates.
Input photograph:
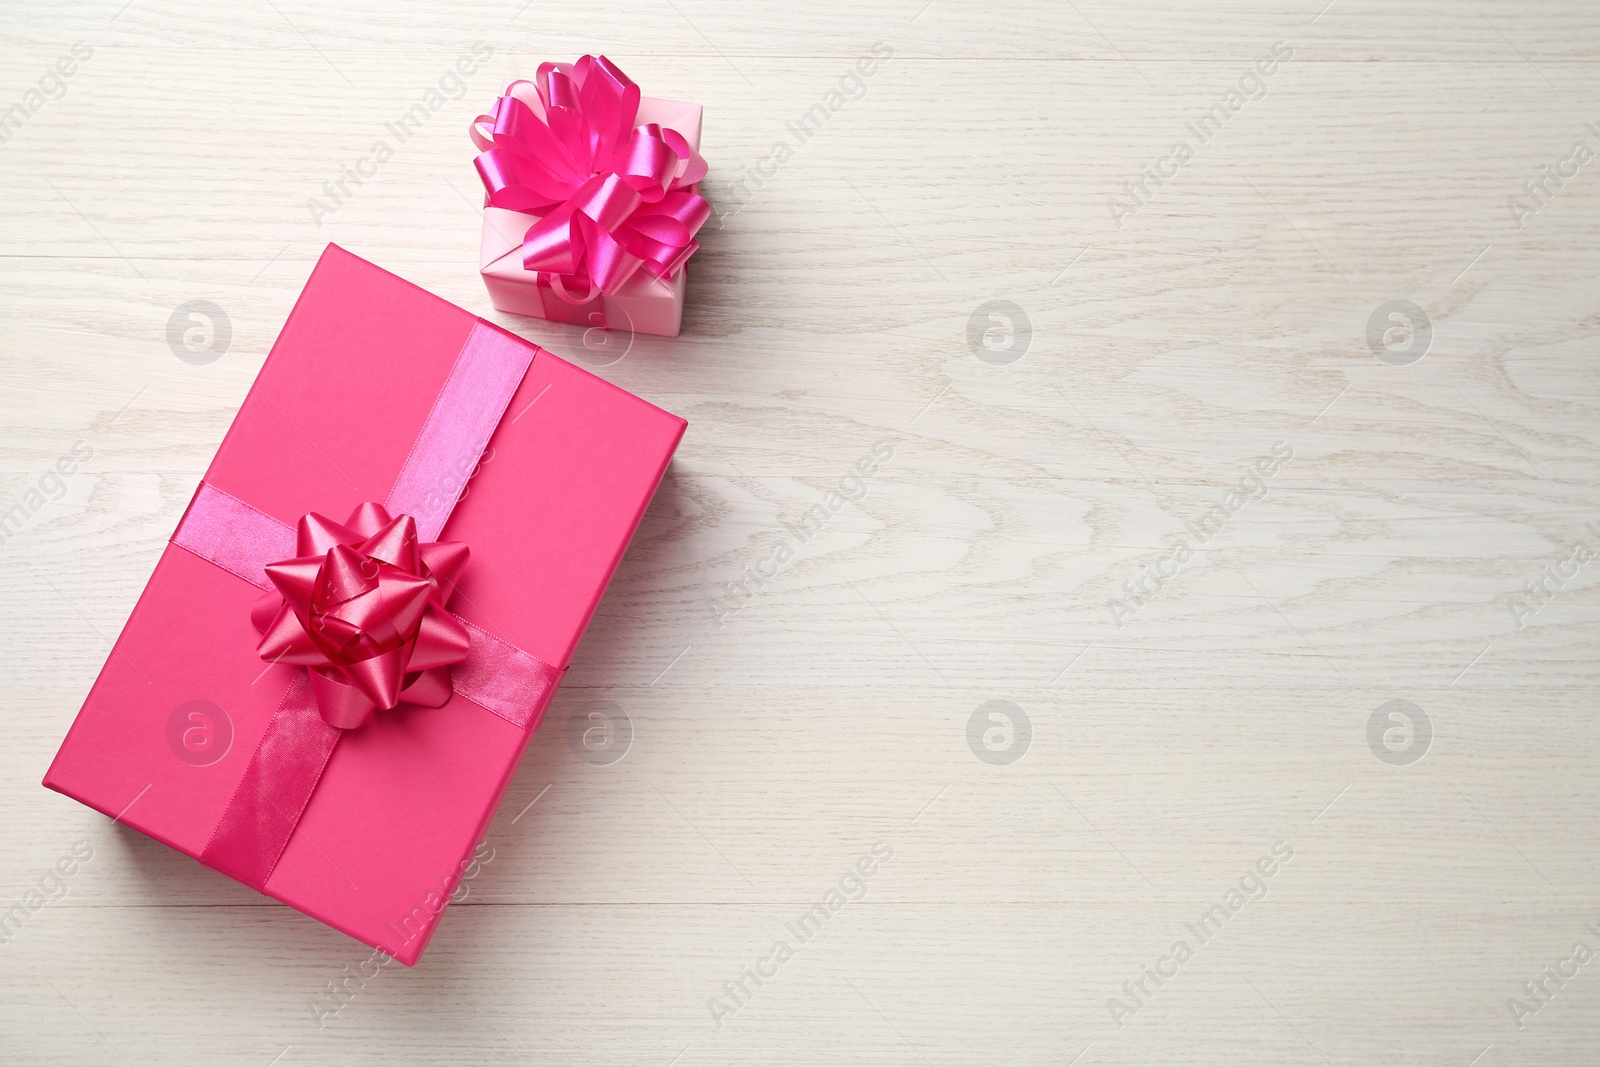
{"type": "Point", "coordinates": [1163, 730]}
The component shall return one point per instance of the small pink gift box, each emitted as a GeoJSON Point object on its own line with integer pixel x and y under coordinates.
{"type": "Point", "coordinates": [647, 243]}
{"type": "Point", "coordinates": [290, 771]}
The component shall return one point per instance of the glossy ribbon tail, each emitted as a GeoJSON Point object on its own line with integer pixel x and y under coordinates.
{"type": "Point", "coordinates": [277, 785]}
{"type": "Point", "coordinates": [284, 769]}
{"type": "Point", "coordinates": [611, 197]}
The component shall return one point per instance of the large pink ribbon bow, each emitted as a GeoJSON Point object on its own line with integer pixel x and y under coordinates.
{"type": "Point", "coordinates": [362, 605]}
{"type": "Point", "coordinates": [611, 197]}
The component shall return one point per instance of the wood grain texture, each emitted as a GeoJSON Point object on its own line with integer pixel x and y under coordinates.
{"type": "Point", "coordinates": [1171, 747]}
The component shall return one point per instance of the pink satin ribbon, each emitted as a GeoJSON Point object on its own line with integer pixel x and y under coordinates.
{"type": "Point", "coordinates": [612, 197]}
{"type": "Point", "coordinates": [362, 606]}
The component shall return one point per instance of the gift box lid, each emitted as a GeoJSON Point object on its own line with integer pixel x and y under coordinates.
{"type": "Point", "coordinates": [328, 424]}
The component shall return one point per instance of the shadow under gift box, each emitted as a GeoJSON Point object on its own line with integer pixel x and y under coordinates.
{"type": "Point", "coordinates": [645, 303]}
{"type": "Point", "coordinates": [328, 424]}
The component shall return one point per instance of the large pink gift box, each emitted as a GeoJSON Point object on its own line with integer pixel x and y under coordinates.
{"type": "Point", "coordinates": [365, 374]}
{"type": "Point", "coordinates": [644, 303]}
